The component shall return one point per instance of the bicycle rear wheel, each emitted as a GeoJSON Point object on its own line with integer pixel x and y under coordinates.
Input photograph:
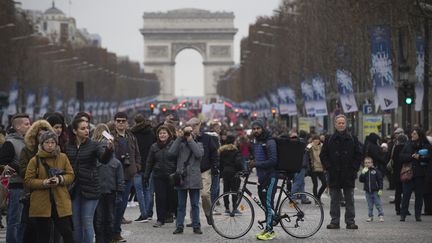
{"type": "Point", "coordinates": [301, 220]}
{"type": "Point", "coordinates": [229, 222]}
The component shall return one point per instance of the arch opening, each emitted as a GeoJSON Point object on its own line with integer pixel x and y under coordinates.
{"type": "Point", "coordinates": [189, 83]}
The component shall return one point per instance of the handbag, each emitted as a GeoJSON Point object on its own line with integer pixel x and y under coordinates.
{"type": "Point", "coordinates": [406, 173]}
{"type": "Point", "coordinates": [177, 179]}
{"type": "Point", "coordinates": [391, 162]}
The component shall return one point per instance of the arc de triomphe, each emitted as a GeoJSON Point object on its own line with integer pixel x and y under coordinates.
{"type": "Point", "coordinates": [167, 33]}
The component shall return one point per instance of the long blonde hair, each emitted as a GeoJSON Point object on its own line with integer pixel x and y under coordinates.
{"type": "Point", "coordinates": [97, 132]}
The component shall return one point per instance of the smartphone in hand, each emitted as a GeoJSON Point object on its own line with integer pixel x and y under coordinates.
{"type": "Point", "coordinates": [107, 135]}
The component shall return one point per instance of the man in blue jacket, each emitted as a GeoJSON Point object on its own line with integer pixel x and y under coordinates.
{"type": "Point", "coordinates": [265, 161]}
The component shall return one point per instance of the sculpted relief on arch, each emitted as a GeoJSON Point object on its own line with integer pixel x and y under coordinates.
{"type": "Point", "coordinates": [177, 47]}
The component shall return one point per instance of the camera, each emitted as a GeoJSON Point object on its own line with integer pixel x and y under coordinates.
{"type": "Point", "coordinates": [55, 172]}
{"type": "Point", "coordinates": [187, 133]}
{"type": "Point", "coordinates": [125, 159]}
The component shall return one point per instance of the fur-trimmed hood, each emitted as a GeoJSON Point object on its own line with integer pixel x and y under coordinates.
{"type": "Point", "coordinates": [30, 139]}
{"type": "Point", "coordinates": [228, 147]}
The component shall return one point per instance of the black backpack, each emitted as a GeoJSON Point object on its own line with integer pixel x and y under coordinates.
{"type": "Point", "coordinates": [289, 154]}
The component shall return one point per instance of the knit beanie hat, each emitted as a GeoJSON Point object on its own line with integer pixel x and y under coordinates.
{"type": "Point", "coordinates": [258, 123]}
{"type": "Point", "coordinates": [54, 120]}
{"type": "Point", "coordinates": [43, 136]}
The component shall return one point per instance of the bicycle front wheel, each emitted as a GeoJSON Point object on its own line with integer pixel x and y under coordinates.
{"type": "Point", "coordinates": [301, 215]}
{"type": "Point", "coordinates": [232, 222]}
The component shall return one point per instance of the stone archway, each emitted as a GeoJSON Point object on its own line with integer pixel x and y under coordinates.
{"type": "Point", "coordinates": [168, 33]}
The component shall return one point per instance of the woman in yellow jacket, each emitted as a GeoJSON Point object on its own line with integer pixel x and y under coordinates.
{"type": "Point", "coordinates": [48, 175]}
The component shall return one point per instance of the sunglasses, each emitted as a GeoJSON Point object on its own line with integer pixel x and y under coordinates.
{"type": "Point", "coordinates": [121, 120]}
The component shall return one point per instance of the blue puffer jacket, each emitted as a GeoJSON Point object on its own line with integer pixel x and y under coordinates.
{"type": "Point", "coordinates": [372, 179]}
{"type": "Point", "coordinates": [265, 153]}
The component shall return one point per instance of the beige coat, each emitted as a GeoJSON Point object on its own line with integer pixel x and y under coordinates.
{"type": "Point", "coordinates": [40, 203]}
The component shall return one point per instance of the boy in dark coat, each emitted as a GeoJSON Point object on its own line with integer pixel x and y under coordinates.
{"type": "Point", "coordinates": [373, 185]}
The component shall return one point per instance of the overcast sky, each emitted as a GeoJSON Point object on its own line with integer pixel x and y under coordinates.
{"type": "Point", "coordinates": [118, 23]}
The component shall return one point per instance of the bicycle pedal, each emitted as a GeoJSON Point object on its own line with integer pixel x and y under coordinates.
{"type": "Point", "coordinates": [260, 227]}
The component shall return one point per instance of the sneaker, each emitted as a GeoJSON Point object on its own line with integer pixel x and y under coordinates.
{"type": "Point", "coordinates": [118, 238]}
{"type": "Point", "coordinates": [125, 221]}
{"type": "Point", "coordinates": [370, 219]}
{"type": "Point", "coordinates": [227, 211]}
{"type": "Point", "coordinates": [236, 211]}
{"type": "Point", "coordinates": [141, 219]}
{"type": "Point", "coordinates": [418, 218]}
{"type": "Point", "coordinates": [260, 233]}
{"type": "Point", "coordinates": [402, 218]}
{"type": "Point", "coordinates": [158, 224]}
{"type": "Point", "coordinates": [197, 231]}
{"type": "Point", "coordinates": [352, 226]}
{"type": "Point", "coordinates": [381, 218]}
{"type": "Point", "coordinates": [333, 226]}
{"type": "Point", "coordinates": [267, 236]}
{"type": "Point", "coordinates": [178, 230]}
{"type": "Point", "coordinates": [306, 201]}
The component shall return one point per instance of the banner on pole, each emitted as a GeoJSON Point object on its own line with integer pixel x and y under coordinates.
{"type": "Point", "coordinates": [346, 92]}
{"type": "Point", "coordinates": [383, 84]}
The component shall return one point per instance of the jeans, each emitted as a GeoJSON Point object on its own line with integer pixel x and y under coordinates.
{"type": "Point", "coordinates": [416, 184]}
{"type": "Point", "coordinates": [335, 199]}
{"type": "Point", "coordinates": [121, 207]}
{"type": "Point", "coordinates": [14, 232]}
{"type": "Point", "coordinates": [139, 192]}
{"type": "Point", "coordinates": [372, 199]}
{"type": "Point", "coordinates": [194, 195]}
{"type": "Point", "coordinates": [149, 197]}
{"type": "Point", "coordinates": [298, 182]}
{"type": "Point", "coordinates": [214, 190]}
{"type": "Point", "coordinates": [83, 211]}
{"type": "Point", "coordinates": [104, 217]}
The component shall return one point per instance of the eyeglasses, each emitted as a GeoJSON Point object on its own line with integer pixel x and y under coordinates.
{"type": "Point", "coordinates": [121, 120]}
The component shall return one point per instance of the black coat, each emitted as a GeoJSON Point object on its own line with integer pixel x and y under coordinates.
{"type": "Point", "coordinates": [84, 163]}
{"type": "Point", "coordinates": [406, 156]}
{"type": "Point", "coordinates": [231, 160]}
{"type": "Point", "coordinates": [211, 158]}
{"type": "Point", "coordinates": [373, 180]}
{"type": "Point", "coordinates": [160, 162]}
{"type": "Point", "coordinates": [145, 137]}
{"type": "Point", "coordinates": [341, 156]}
{"type": "Point", "coordinates": [374, 151]}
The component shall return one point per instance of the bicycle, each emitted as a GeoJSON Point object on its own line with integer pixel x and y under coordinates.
{"type": "Point", "coordinates": [297, 219]}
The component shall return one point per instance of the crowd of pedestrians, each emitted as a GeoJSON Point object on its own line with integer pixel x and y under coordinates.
{"type": "Point", "coordinates": [72, 183]}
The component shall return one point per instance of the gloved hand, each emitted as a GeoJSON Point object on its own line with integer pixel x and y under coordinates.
{"type": "Point", "coordinates": [379, 193]}
{"type": "Point", "coordinates": [365, 169]}
{"type": "Point", "coordinates": [214, 171]}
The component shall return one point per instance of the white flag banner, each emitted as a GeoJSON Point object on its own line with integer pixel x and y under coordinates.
{"type": "Point", "coordinates": [288, 105]}
{"type": "Point", "coordinates": [419, 73]}
{"type": "Point", "coordinates": [308, 97]}
{"type": "Point", "coordinates": [346, 92]}
{"type": "Point", "coordinates": [319, 96]}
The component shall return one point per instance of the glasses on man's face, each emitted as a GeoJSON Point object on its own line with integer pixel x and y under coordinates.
{"type": "Point", "coordinates": [121, 120]}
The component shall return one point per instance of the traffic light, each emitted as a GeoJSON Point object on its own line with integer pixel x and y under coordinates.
{"type": "Point", "coordinates": [408, 93]}
{"type": "Point", "coordinates": [273, 110]}
{"type": "Point", "coordinates": [152, 106]}
{"type": "Point", "coordinates": [164, 110]}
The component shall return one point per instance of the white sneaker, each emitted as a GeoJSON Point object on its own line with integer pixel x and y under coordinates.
{"type": "Point", "coordinates": [370, 219]}
{"type": "Point", "coordinates": [381, 218]}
